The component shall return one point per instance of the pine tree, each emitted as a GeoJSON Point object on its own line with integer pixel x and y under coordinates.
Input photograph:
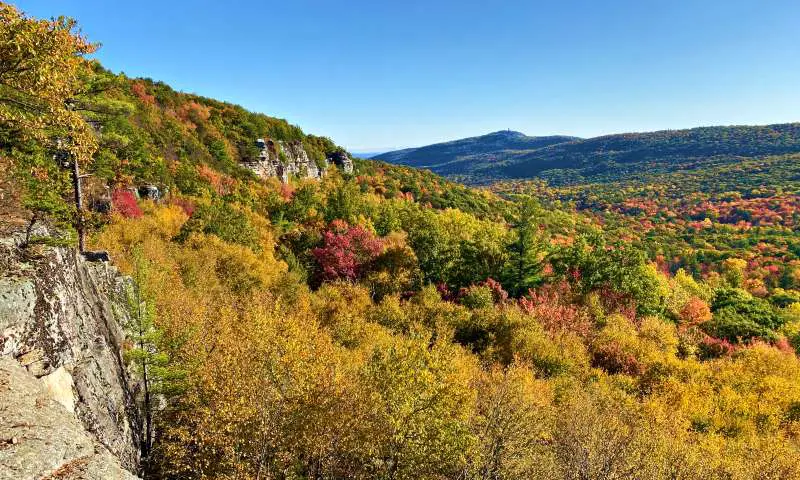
{"type": "Point", "coordinates": [524, 268]}
{"type": "Point", "coordinates": [149, 360]}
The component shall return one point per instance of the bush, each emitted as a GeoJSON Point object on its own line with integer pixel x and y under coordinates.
{"type": "Point", "coordinates": [124, 202]}
{"type": "Point", "coordinates": [729, 324]}
{"type": "Point", "coordinates": [477, 296]}
{"type": "Point", "coordinates": [711, 347]}
{"type": "Point", "coordinates": [224, 221]}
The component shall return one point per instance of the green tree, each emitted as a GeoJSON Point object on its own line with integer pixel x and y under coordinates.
{"type": "Point", "coordinates": [523, 270]}
{"type": "Point", "coordinates": [42, 64]}
{"type": "Point", "coordinates": [149, 360]}
{"type": "Point", "coordinates": [594, 264]}
{"type": "Point", "coordinates": [344, 203]}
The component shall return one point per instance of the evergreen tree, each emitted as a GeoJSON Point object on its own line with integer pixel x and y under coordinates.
{"type": "Point", "coordinates": [523, 270]}
{"type": "Point", "coordinates": [146, 355]}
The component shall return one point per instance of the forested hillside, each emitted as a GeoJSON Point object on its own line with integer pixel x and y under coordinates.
{"type": "Point", "coordinates": [571, 161]}
{"type": "Point", "coordinates": [391, 324]}
{"type": "Point", "coordinates": [617, 156]}
{"type": "Point", "coordinates": [457, 157]}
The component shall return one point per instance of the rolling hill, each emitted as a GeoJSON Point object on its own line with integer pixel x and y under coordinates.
{"type": "Point", "coordinates": [568, 160]}
{"type": "Point", "coordinates": [457, 157]}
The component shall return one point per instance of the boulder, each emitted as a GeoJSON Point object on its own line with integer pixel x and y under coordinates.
{"type": "Point", "coordinates": [149, 192]}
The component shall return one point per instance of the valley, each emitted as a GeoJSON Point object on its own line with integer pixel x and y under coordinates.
{"type": "Point", "coordinates": [190, 289]}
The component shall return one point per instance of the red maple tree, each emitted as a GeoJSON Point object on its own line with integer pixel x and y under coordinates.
{"type": "Point", "coordinates": [347, 251]}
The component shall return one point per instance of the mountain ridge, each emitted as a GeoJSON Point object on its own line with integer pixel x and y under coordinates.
{"type": "Point", "coordinates": [602, 158]}
{"type": "Point", "coordinates": [434, 155]}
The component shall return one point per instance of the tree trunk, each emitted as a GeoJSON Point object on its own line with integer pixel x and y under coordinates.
{"type": "Point", "coordinates": [76, 186]}
{"type": "Point", "coordinates": [29, 230]}
{"type": "Point", "coordinates": [147, 442]}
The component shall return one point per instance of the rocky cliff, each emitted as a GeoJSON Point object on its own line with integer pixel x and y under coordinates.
{"type": "Point", "coordinates": [66, 400]}
{"type": "Point", "coordinates": [283, 160]}
{"type": "Point", "coordinates": [341, 160]}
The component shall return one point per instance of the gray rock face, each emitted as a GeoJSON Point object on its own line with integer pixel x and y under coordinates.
{"type": "Point", "coordinates": [61, 339]}
{"type": "Point", "coordinates": [341, 160]}
{"type": "Point", "coordinates": [283, 160]}
{"type": "Point", "coordinates": [39, 438]}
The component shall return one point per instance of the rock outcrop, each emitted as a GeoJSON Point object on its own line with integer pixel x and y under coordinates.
{"type": "Point", "coordinates": [40, 439]}
{"type": "Point", "coordinates": [284, 160]}
{"type": "Point", "coordinates": [341, 160]}
{"type": "Point", "coordinates": [66, 399]}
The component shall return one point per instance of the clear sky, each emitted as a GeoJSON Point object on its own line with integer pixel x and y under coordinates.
{"type": "Point", "coordinates": [379, 74]}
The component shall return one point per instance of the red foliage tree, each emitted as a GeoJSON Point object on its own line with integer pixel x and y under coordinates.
{"type": "Point", "coordinates": [287, 191]}
{"type": "Point", "coordinates": [347, 251]}
{"type": "Point", "coordinates": [124, 202]}
{"type": "Point", "coordinates": [140, 91]}
{"type": "Point", "coordinates": [553, 306]}
{"type": "Point", "coordinates": [695, 312]}
{"type": "Point", "coordinates": [613, 359]}
{"type": "Point", "coordinates": [186, 205]}
{"type": "Point", "coordinates": [221, 183]}
{"type": "Point", "coordinates": [711, 347]}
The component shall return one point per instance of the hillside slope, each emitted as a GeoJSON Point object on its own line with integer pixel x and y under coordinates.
{"type": "Point", "coordinates": [384, 324]}
{"type": "Point", "coordinates": [613, 156]}
{"type": "Point", "coordinates": [150, 130]}
{"type": "Point", "coordinates": [606, 158]}
{"type": "Point", "coordinates": [456, 157]}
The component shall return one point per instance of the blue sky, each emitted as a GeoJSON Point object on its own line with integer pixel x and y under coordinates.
{"type": "Point", "coordinates": [377, 74]}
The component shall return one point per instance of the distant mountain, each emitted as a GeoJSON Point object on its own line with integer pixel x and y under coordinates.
{"type": "Point", "coordinates": [454, 158]}
{"type": "Point", "coordinates": [568, 160]}
{"type": "Point", "coordinates": [366, 153]}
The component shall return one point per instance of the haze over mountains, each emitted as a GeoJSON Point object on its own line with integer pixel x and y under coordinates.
{"type": "Point", "coordinates": [568, 160]}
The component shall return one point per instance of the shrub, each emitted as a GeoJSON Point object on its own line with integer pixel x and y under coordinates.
{"type": "Point", "coordinates": [711, 347]}
{"type": "Point", "coordinates": [124, 202]}
{"type": "Point", "coordinates": [477, 296]}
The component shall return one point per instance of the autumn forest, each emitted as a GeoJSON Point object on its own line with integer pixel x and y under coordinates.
{"type": "Point", "coordinates": [390, 323]}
